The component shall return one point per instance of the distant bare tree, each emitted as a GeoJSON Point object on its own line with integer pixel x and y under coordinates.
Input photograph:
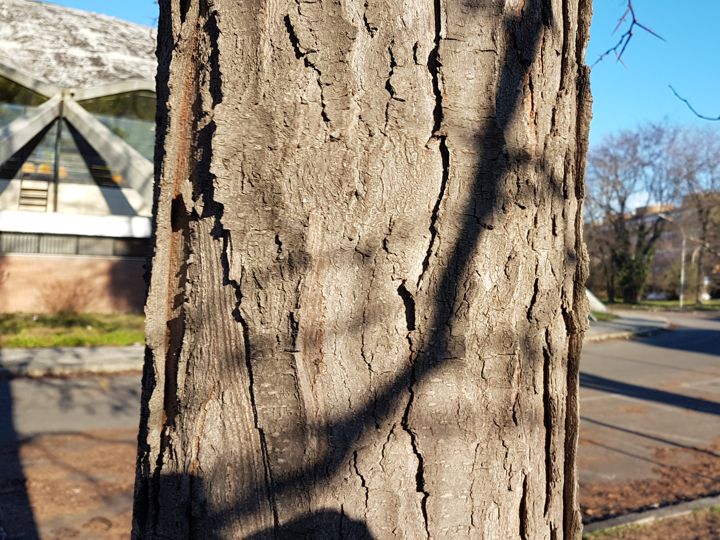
{"type": "Point", "coordinates": [629, 171]}
{"type": "Point", "coordinates": [697, 169]}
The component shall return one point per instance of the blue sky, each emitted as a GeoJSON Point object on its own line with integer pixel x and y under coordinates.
{"type": "Point", "coordinates": [625, 95]}
{"type": "Point", "coordinates": [636, 92]}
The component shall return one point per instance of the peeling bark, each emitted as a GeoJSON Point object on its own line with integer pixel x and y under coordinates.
{"type": "Point", "coordinates": [366, 299]}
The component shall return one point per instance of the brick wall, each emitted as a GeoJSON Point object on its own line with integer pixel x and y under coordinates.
{"type": "Point", "coordinates": [36, 283]}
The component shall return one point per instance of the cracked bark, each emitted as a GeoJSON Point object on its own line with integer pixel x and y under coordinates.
{"type": "Point", "coordinates": [366, 299]}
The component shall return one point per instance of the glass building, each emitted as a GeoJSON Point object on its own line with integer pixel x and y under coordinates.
{"type": "Point", "coordinates": [77, 137]}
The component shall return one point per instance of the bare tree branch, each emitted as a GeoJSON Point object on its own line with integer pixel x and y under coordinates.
{"type": "Point", "coordinates": [621, 45]}
{"type": "Point", "coordinates": [694, 111]}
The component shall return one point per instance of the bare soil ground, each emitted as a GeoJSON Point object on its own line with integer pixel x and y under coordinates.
{"type": "Point", "coordinates": [78, 486]}
{"type": "Point", "coordinates": [681, 474]}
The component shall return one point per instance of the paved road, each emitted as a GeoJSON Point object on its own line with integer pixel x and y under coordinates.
{"type": "Point", "coordinates": [32, 406]}
{"type": "Point", "coordinates": [650, 398]}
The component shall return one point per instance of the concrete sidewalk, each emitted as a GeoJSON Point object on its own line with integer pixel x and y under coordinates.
{"type": "Point", "coordinates": [628, 324]}
{"type": "Point", "coordinates": [63, 361]}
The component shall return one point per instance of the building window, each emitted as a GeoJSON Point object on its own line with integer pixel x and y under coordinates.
{"type": "Point", "coordinates": [19, 243]}
{"type": "Point", "coordinates": [58, 244]}
{"type": "Point", "coordinates": [88, 245]}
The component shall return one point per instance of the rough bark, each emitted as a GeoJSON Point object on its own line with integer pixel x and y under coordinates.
{"type": "Point", "coordinates": [366, 300]}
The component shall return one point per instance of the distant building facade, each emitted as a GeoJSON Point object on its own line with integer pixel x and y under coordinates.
{"type": "Point", "coordinates": [77, 136]}
{"type": "Point", "coordinates": [697, 218]}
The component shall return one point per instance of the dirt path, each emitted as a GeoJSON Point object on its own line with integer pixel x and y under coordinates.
{"type": "Point", "coordinates": [79, 485]}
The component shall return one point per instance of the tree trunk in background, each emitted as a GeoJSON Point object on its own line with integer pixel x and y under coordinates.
{"type": "Point", "coordinates": [366, 302]}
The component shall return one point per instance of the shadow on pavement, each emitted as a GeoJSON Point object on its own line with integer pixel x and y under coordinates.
{"type": "Point", "coordinates": [697, 340]}
{"type": "Point", "coordinates": [649, 436]}
{"type": "Point", "coordinates": [646, 459]}
{"type": "Point", "coordinates": [595, 382]}
{"type": "Point", "coordinates": [56, 421]}
{"type": "Point", "coordinates": [16, 515]}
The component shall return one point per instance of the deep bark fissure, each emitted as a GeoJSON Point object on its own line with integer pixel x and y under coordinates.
{"type": "Point", "coordinates": [238, 316]}
{"type": "Point", "coordinates": [434, 64]}
{"type": "Point", "coordinates": [445, 157]}
{"type": "Point", "coordinates": [533, 300]}
{"type": "Point", "coordinates": [409, 303]}
{"type": "Point", "coordinates": [300, 54]}
{"type": "Point", "coordinates": [294, 41]}
{"type": "Point", "coordinates": [523, 510]}
{"type": "Point", "coordinates": [565, 58]}
{"type": "Point", "coordinates": [388, 84]}
{"type": "Point", "coordinates": [294, 329]}
{"type": "Point", "coordinates": [371, 30]}
{"type": "Point", "coordinates": [363, 483]}
{"type": "Point", "coordinates": [420, 472]}
{"type": "Point", "coordinates": [548, 425]}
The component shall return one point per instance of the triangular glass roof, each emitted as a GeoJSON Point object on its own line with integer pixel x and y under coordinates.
{"type": "Point", "coordinates": [129, 115]}
{"type": "Point", "coordinates": [102, 136]}
{"type": "Point", "coordinates": [79, 163]}
{"type": "Point", "coordinates": [16, 100]}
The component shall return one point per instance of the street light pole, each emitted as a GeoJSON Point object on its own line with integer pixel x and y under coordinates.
{"type": "Point", "coordinates": [667, 218]}
{"type": "Point", "coordinates": [682, 268]}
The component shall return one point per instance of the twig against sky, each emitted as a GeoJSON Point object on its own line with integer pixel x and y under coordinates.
{"type": "Point", "coordinates": [621, 45]}
{"type": "Point", "coordinates": [694, 111]}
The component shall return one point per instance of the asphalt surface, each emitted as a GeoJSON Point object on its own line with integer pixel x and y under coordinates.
{"type": "Point", "coordinates": [54, 405]}
{"type": "Point", "coordinates": [641, 397]}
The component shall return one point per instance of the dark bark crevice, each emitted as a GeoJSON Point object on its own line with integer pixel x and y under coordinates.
{"type": "Point", "coordinates": [434, 65]}
{"type": "Point", "coordinates": [524, 516]}
{"type": "Point", "coordinates": [409, 303]}
{"type": "Point", "coordinates": [388, 84]}
{"type": "Point", "coordinates": [533, 300]}
{"type": "Point", "coordinates": [420, 472]}
{"type": "Point", "coordinates": [548, 415]}
{"type": "Point", "coordinates": [269, 487]}
{"type": "Point", "coordinates": [301, 53]}
{"type": "Point", "coordinates": [363, 483]}
{"type": "Point", "coordinates": [445, 156]}
{"type": "Point", "coordinates": [371, 29]}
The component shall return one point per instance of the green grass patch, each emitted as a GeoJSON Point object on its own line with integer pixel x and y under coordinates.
{"type": "Point", "coordinates": [70, 330]}
{"type": "Point", "coordinates": [708, 305]}
{"type": "Point", "coordinates": [604, 316]}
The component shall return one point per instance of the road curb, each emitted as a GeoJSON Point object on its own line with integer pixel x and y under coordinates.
{"type": "Point", "coordinates": [626, 335]}
{"type": "Point", "coordinates": [36, 372]}
{"type": "Point", "coordinates": [656, 514]}
{"type": "Point", "coordinates": [70, 361]}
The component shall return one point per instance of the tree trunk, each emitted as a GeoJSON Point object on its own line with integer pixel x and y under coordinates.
{"type": "Point", "coordinates": [366, 301]}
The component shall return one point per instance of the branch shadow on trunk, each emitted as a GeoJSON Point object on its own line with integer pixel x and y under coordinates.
{"type": "Point", "coordinates": [492, 164]}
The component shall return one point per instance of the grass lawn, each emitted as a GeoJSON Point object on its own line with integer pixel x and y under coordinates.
{"type": "Point", "coordinates": [604, 316]}
{"type": "Point", "coordinates": [709, 305]}
{"type": "Point", "coordinates": [70, 330]}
